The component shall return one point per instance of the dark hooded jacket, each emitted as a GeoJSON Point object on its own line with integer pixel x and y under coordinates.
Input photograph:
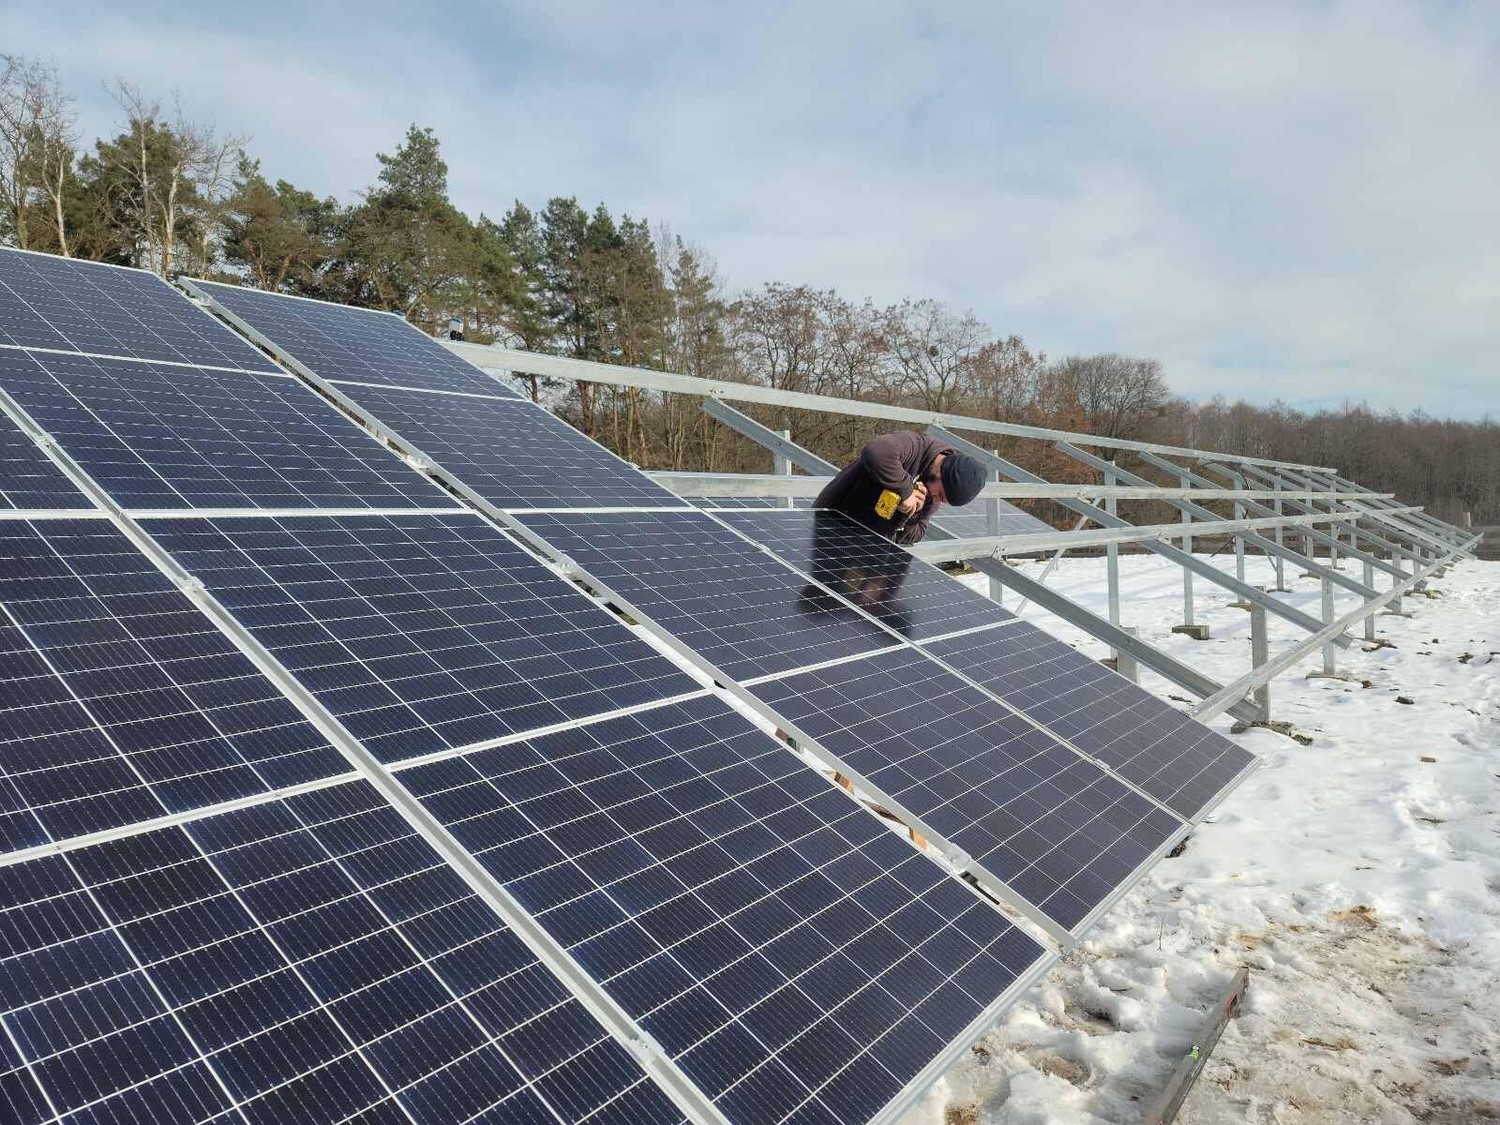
{"type": "Point", "coordinates": [892, 462]}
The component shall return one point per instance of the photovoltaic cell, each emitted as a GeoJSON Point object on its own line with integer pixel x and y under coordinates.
{"type": "Point", "coordinates": [972, 521]}
{"type": "Point", "coordinates": [344, 343]}
{"type": "Point", "coordinates": [421, 633]}
{"type": "Point", "coordinates": [1179, 761]}
{"type": "Point", "coordinates": [727, 599]}
{"type": "Point", "coordinates": [308, 960]}
{"type": "Point", "coordinates": [1061, 832]}
{"type": "Point", "coordinates": [28, 478]}
{"type": "Point", "coordinates": [912, 597]}
{"type": "Point", "coordinates": [798, 959]}
{"type": "Point", "coordinates": [120, 701]}
{"type": "Point", "coordinates": [512, 452]}
{"type": "Point", "coordinates": [160, 436]}
{"type": "Point", "coordinates": [48, 301]}
{"type": "Point", "coordinates": [755, 502]}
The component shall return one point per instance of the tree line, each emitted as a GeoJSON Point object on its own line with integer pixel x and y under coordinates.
{"type": "Point", "coordinates": [173, 195]}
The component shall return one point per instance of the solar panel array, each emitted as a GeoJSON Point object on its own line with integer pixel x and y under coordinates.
{"type": "Point", "coordinates": [421, 633]}
{"type": "Point", "coordinates": [122, 702]}
{"type": "Point", "coordinates": [912, 597]}
{"type": "Point", "coordinates": [723, 596]}
{"type": "Point", "coordinates": [797, 959]}
{"type": "Point", "coordinates": [175, 436]}
{"type": "Point", "coordinates": [444, 408]}
{"type": "Point", "coordinates": [719, 597]}
{"type": "Point", "coordinates": [213, 916]}
{"type": "Point", "coordinates": [310, 959]}
{"type": "Point", "coordinates": [1171, 756]}
{"type": "Point", "coordinates": [66, 305]}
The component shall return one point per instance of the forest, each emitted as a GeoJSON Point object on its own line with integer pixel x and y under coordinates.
{"type": "Point", "coordinates": [171, 194]}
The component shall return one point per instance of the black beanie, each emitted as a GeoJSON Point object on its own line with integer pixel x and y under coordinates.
{"type": "Point", "coordinates": [963, 477]}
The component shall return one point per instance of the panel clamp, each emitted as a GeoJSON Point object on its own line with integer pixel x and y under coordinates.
{"type": "Point", "coordinates": [645, 1047]}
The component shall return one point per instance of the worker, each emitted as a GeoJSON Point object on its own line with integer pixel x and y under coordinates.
{"type": "Point", "coordinates": [898, 480]}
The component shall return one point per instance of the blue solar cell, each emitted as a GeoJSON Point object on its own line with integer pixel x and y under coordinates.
{"type": "Point", "coordinates": [910, 596]}
{"type": "Point", "coordinates": [1176, 759]}
{"type": "Point", "coordinates": [725, 598]}
{"type": "Point", "coordinates": [71, 305]}
{"type": "Point", "coordinates": [304, 960]}
{"type": "Point", "coordinates": [345, 343]}
{"type": "Point", "coordinates": [160, 436]}
{"type": "Point", "coordinates": [973, 520]}
{"type": "Point", "coordinates": [121, 701]}
{"type": "Point", "coordinates": [799, 960]}
{"type": "Point", "coordinates": [754, 502]}
{"type": "Point", "coordinates": [420, 633]}
{"type": "Point", "coordinates": [28, 479]}
{"type": "Point", "coordinates": [511, 452]}
{"type": "Point", "coordinates": [1061, 832]}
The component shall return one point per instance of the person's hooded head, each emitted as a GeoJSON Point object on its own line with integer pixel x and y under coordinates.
{"type": "Point", "coordinates": [962, 478]}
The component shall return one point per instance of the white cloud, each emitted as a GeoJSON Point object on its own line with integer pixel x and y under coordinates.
{"type": "Point", "coordinates": [1278, 200]}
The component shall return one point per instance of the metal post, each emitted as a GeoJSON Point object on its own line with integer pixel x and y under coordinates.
{"type": "Point", "coordinates": [1239, 540]}
{"type": "Point", "coordinates": [992, 522]}
{"type": "Point", "coordinates": [1189, 627]}
{"type": "Point", "coordinates": [1369, 621]}
{"type": "Point", "coordinates": [1329, 668]}
{"type": "Point", "coordinates": [1260, 652]}
{"type": "Point", "coordinates": [1112, 557]}
{"type": "Point", "coordinates": [1187, 578]}
{"type": "Point", "coordinates": [1307, 543]}
{"type": "Point", "coordinates": [781, 465]}
{"type": "Point", "coordinates": [1280, 586]}
{"type": "Point", "coordinates": [1125, 663]}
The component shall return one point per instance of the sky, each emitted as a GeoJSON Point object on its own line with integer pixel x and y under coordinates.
{"type": "Point", "coordinates": [1278, 201]}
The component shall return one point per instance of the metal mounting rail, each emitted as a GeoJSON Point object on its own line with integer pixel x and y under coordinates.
{"type": "Point", "coordinates": [998, 546]}
{"type": "Point", "coordinates": [1213, 521]}
{"type": "Point", "coordinates": [561, 367]}
{"type": "Point", "coordinates": [776, 484]}
{"type": "Point", "coordinates": [1155, 542]}
{"type": "Point", "coordinates": [1317, 536]}
{"type": "Point", "coordinates": [1219, 702]}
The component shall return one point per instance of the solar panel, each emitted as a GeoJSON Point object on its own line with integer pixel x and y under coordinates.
{"type": "Point", "coordinates": [28, 478]}
{"type": "Point", "coordinates": [158, 436]}
{"type": "Point", "coordinates": [421, 633]}
{"type": "Point", "coordinates": [910, 596]}
{"type": "Point", "coordinates": [798, 959]}
{"type": "Point", "coordinates": [973, 521]}
{"type": "Point", "coordinates": [724, 597]}
{"type": "Point", "coordinates": [507, 449]}
{"type": "Point", "coordinates": [121, 702]}
{"type": "Point", "coordinates": [756, 502]}
{"type": "Point", "coordinates": [1179, 761]}
{"type": "Point", "coordinates": [308, 960]}
{"type": "Point", "coordinates": [70, 305]}
{"type": "Point", "coordinates": [511, 452]}
{"type": "Point", "coordinates": [1059, 831]}
{"type": "Point", "coordinates": [344, 343]}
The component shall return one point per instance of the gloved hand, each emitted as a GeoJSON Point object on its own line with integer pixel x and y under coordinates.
{"type": "Point", "coordinates": [914, 500]}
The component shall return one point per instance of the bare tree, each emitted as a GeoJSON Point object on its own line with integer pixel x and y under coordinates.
{"type": "Point", "coordinates": [931, 348]}
{"type": "Point", "coordinates": [37, 140]}
{"type": "Point", "coordinates": [170, 178]}
{"type": "Point", "coordinates": [1116, 394]}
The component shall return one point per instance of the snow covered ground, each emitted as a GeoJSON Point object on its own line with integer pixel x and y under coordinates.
{"type": "Point", "coordinates": [1358, 876]}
